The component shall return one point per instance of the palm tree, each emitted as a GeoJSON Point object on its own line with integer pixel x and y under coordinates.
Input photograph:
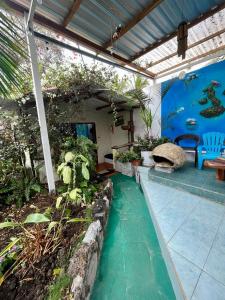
{"type": "Point", "coordinates": [11, 53]}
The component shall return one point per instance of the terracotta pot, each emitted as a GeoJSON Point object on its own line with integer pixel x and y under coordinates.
{"type": "Point", "coordinates": [136, 162]}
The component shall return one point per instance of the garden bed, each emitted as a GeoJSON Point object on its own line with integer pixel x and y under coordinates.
{"type": "Point", "coordinates": [33, 277]}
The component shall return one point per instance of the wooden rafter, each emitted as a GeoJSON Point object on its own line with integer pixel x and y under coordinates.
{"type": "Point", "coordinates": [40, 19]}
{"type": "Point", "coordinates": [134, 21]}
{"type": "Point", "coordinates": [74, 8]}
{"type": "Point", "coordinates": [191, 60]}
{"type": "Point", "coordinates": [189, 47]}
{"type": "Point", "coordinates": [168, 37]}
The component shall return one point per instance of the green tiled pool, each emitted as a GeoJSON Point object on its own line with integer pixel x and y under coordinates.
{"type": "Point", "coordinates": [131, 265]}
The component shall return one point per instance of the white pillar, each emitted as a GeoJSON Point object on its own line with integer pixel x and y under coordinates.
{"type": "Point", "coordinates": [40, 105]}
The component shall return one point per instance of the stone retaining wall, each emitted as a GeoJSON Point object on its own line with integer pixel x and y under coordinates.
{"type": "Point", "coordinates": [84, 262]}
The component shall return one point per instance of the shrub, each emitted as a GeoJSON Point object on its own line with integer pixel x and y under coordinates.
{"type": "Point", "coordinates": [127, 156]}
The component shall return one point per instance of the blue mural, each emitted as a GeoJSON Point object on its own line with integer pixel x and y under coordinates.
{"type": "Point", "coordinates": [195, 104]}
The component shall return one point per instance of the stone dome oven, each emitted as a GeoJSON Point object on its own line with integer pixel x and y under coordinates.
{"type": "Point", "coordinates": [169, 156]}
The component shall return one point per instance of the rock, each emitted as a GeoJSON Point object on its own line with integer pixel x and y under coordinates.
{"type": "Point", "coordinates": [92, 232]}
{"type": "Point", "coordinates": [76, 287]}
{"type": "Point", "coordinates": [84, 262]}
{"type": "Point", "coordinates": [91, 272]}
{"type": "Point", "coordinates": [169, 155]}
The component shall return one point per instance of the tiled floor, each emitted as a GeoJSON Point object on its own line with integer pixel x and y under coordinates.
{"type": "Point", "coordinates": [193, 230]}
{"type": "Point", "coordinates": [202, 183]}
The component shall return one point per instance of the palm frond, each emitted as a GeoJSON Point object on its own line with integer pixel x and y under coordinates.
{"type": "Point", "coordinates": [12, 51]}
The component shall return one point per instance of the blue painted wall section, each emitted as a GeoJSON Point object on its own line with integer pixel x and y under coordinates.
{"type": "Point", "coordinates": [194, 104]}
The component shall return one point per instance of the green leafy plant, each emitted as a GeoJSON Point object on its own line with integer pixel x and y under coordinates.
{"type": "Point", "coordinates": [12, 50]}
{"type": "Point", "coordinates": [147, 117]}
{"type": "Point", "coordinates": [74, 164]}
{"type": "Point", "coordinates": [127, 156]}
{"type": "Point", "coordinates": [57, 289]}
{"type": "Point", "coordinates": [148, 143]}
{"type": "Point", "coordinates": [84, 146]}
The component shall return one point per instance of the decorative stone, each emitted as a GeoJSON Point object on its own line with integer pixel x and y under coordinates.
{"type": "Point", "coordinates": [84, 262]}
{"type": "Point", "coordinates": [169, 155]}
{"type": "Point", "coordinates": [76, 287]}
{"type": "Point", "coordinates": [92, 232]}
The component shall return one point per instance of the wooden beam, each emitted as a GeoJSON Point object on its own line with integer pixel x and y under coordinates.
{"type": "Point", "coordinates": [191, 60]}
{"type": "Point", "coordinates": [134, 21]}
{"type": "Point", "coordinates": [74, 8]}
{"type": "Point", "coordinates": [190, 46]}
{"type": "Point", "coordinates": [171, 35]}
{"type": "Point", "coordinates": [108, 105]}
{"type": "Point", "coordinates": [40, 19]}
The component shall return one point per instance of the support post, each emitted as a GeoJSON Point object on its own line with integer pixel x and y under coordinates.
{"type": "Point", "coordinates": [40, 104]}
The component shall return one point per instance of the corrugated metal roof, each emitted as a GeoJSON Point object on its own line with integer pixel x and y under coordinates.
{"type": "Point", "coordinates": [97, 19]}
{"type": "Point", "coordinates": [206, 28]}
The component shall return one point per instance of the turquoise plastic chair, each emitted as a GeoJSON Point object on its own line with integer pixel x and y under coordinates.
{"type": "Point", "coordinates": [213, 144]}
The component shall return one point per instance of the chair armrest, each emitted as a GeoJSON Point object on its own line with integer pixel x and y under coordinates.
{"type": "Point", "coordinates": [200, 148]}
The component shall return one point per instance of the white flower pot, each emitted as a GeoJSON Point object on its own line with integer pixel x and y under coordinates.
{"type": "Point", "coordinates": [147, 158]}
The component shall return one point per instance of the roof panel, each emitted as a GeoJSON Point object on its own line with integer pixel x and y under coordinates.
{"type": "Point", "coordinates": [206, 28]}
{"type": "Point", "coordinates": [97, 19]}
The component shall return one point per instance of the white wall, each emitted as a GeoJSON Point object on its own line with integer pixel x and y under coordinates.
{"type": "Point", "coordinates": [120, 136]}
{"type": "Point", "coordinates": [154, 93]}
{"type": "Point", "coordinates": [107, 135]}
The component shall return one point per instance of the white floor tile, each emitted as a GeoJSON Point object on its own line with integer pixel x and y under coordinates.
{"type": "Point", "coordinates": [191, 248]}
{"type": "Point", "coordinates": [187, 272]}
{"type": "Point", "coordinates": [208, 289]}
{"type": "Point", "coordinates": [215, 265]}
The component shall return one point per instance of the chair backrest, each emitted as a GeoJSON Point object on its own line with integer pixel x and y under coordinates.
{"type": "Point", "coordinates": [192, 137]}
{"type": "Point", "coordinates": [213, 141]}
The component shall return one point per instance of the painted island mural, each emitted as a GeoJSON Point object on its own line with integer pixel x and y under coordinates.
{"type": "Point", "coordinates": [194, 104]}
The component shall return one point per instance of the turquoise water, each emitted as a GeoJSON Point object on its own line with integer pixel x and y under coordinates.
{"type": "Point", "coordinates": [131, 265]}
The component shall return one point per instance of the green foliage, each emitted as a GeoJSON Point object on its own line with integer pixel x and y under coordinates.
{"type": "Point", "coordinates": [36, 218]}
{"type": "Point", "coordinates": [8, 256]}
{"type": "Point", "coordinates": [75, 172]}
{"type": "Point", "coordinates": [16, 185]}
{"type": "Point", "coordinates": [127, 156]}
{"type": "Point", "coordinates": [57, 289]}
{"type": "Point", "coordinates": [12, 51]}
{"type": "Point", "coordinates": [81, 145]}
{"type": "Point", "coordinates": [148, 143]}
{"type": "Point", "coordinates": [147, 117]}
{"type": "Point", "coordinates": [17, 137]}
{"type": "Point", "coordinates": [68, 77]}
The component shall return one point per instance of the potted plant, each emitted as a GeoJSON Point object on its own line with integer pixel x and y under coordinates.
{"type": "Point", "coordinates": [145, 147]}
{"type": "Point", "coordinates": [128, 160]}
